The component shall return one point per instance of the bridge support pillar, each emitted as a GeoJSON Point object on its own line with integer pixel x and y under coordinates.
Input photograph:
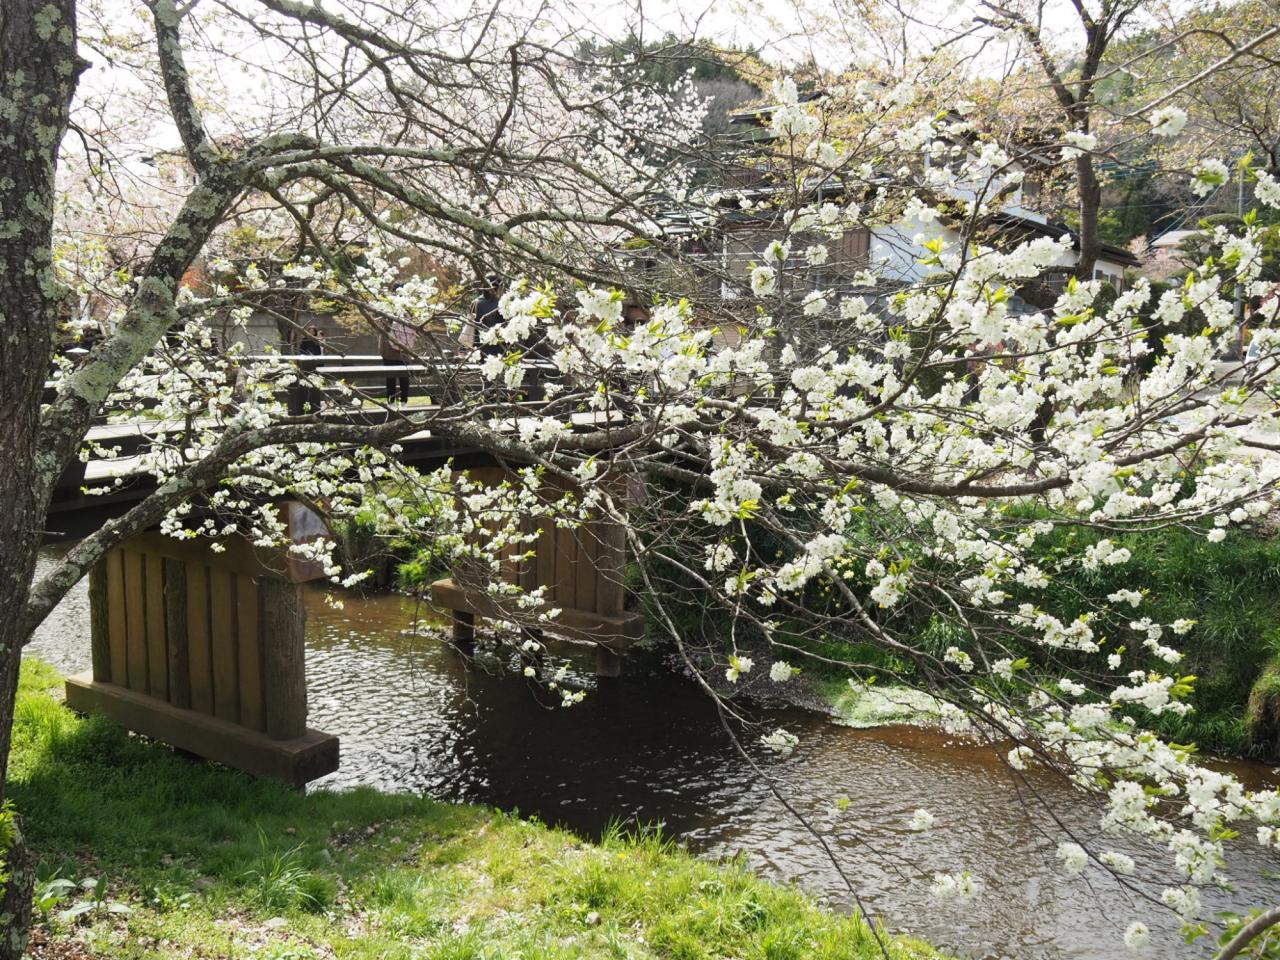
{"type": "Point", "coordinates": [581, 570]}
{"type": "Point", "coordinates": [608, 663]}
{"type": "Point", "coordinates": [205, 651]}
{"type": "Point", "coordinates": [464, 631]}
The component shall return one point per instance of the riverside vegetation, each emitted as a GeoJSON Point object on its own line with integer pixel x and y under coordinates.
{"type": "Point", "coordinates": [146, 854]}
{"type": "Point", "coordinates": [1231, 589]}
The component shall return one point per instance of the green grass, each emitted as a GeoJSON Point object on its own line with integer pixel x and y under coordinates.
{"type": "Point", "coordinates": [876, 706]}
{"type": "Point", "coordinates": [1231, 589]}
{"type": "Point", "coordinates": [211, 863]}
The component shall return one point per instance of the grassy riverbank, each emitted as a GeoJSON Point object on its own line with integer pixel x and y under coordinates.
{"type": "Point", "coordinates": [209, 863]}
{"type": "Point", "coordinates": [1230, 589]}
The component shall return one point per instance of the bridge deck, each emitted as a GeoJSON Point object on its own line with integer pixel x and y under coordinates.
{"type": "Point", "coordinates": [421, 448]}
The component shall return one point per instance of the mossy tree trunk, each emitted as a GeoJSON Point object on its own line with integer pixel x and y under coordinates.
{"type": "Point", "coordinates": [38, 71]}
{"type": "Point", "coordinates": [15, 902]}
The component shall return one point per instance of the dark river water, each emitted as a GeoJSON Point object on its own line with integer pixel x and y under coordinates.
{"type": "Point", "coordinates": [649, 749]}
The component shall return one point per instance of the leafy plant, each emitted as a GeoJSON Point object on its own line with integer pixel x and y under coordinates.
{"type": "Point", "coordinates": [8, 834]}
{"type": "Point", "coordinates": [167, 897]}
{"type": "Point", "coordinates": [93, 901]}
{"type": "Point", "coordinates": [49, 894]}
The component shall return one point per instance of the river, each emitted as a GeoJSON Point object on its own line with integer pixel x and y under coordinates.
{"type": "Point", "coordinates": [649, 749]}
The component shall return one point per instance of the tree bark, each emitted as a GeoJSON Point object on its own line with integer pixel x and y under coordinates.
{"type": "Point", "coordinates": [1090, 204]}
{"type": "Point", "coordinates": [38, 71]}
{"type": "Point", "coordinates": [15, 902]}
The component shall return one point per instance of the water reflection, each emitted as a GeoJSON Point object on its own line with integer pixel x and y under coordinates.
{"type": "Point", "coordinates": [650, 749]}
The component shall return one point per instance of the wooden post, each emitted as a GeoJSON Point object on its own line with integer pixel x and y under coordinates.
{"type": "Point", "coordinates": [611, 568]}
{"type": "Point", "coordinates": [222, 645]}
{"type": "Point", "coordinates": [199, 643]}
{"type": "Point", "coordinates": [175, 618]}
{"type": "Point", "coordinates": [609, 571]}
{"type": "Point", "coordinates": [135, 596]}
{"type": "Point", "coordinates": [284, 655]}
{"type": "Point", "coordinates": [608, 663]}
{"type": "Point", "coordinates": [249, 647]}
{"type": "Point", "coordinates": [157, 636]}
{"type": "Point", "coordinates": [464, 630]}
{"type": "Point", "coordinates": [205, 651]}
{"type": "Point", "coordinates": [117, 627]}
{"type": "Point", "coordinates": [99, 626]}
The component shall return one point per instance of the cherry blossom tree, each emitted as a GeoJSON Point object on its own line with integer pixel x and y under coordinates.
{"type": "Point", "coordinates": [464, 132]}
{"type": "Point", "coordinates": [821, 449]}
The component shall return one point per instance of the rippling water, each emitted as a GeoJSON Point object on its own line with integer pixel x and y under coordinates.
{"type": "Point", "coordinates": [413, 716]}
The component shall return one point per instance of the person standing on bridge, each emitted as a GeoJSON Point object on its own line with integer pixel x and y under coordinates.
{"type": "Point", "coordinates": [311, 343]}
{"type": "Point", "coordinates": [488, 314]}
{"type": "Point", "coordinates": [398, 347]}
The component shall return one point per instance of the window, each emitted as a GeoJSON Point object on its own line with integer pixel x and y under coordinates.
{"type": "Point", "coordinates": [1111, 275]}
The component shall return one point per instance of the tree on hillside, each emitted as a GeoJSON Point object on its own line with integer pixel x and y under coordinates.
{"type": "Point", "coordinates": [869, 493]}
{"type": "Point", "coordinates": [1112, 80]}
{"type": "Point", "coordinates": [728, 79]}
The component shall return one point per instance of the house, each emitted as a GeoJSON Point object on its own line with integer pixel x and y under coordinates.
{"type": "Point", "coordinates": [717, 253]}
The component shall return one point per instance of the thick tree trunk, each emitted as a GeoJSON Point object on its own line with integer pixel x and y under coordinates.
{"type": "Point", "coordinates": [1090, 203]}
{"type": "Point", "coordinates": [15, 902]}
{"type": "Point", "coordinates": [38, 70]}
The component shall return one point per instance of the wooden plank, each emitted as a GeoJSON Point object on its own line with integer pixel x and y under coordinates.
{"type": "Point", "coordinates": [100, 622]}
{"type": "Point", "coordinates": [608, 663]}
{"type": "Point", "coordinates": [310, 755]}
{"type": "Point", "coordinates": [199, 655]}
{"type": "Point", "coordinates": [157, 645]}
{"type": "Point", "coordinates": [566, 568]}
{"type": "Point", "coordinates": [545, 562]}
{"type": "Point", "coordinates": [509, 570]}
{"type": "Point", "coordinates": [615, 632]}
{"type": "Point", "coordinates": [464, 630]}
{"type": "Point", "coordinates": [118, 628]}
{"type": "Point", "coordinates": [222, 643]}
{"type": "Point", "coordinates": [175, 611]}
{"type": "Point", "coordinates": [135, 605]}
{"type": "Point", "coordinates": [239, 555]}
{"type": "Point", "coordinates": [284, 659]}
{"type": "Point", "coordinates": [610, 568]}
{"type": "Point", "coordinates": [527, 575]}
{"type": "Point", "coordinates": [488, 476]}
{"type": "Point", "coordinates": [249, 648]}
{"type": "Point", "coordinates": [496, 477]}
{"type": "Point", "coordinates": [587, 574]}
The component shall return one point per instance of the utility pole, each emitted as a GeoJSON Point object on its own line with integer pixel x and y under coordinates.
{"type": "Point", "coordinates": [1240, 214]}
{"type": "Point", "coordinates": [1239, 311]}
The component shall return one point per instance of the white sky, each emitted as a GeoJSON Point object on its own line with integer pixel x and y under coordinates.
{"type": "Point", "coordinates": [784, 30]}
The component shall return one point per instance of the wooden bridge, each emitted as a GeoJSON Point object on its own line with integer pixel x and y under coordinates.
{"type": "Point", "coordinates": [203, 647]}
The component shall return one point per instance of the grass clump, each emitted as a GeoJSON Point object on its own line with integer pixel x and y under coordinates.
{"type": "Point", "coordinates": [212, 863]}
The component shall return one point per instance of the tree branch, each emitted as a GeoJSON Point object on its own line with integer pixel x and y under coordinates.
{"type": "Point", "coordinates": [177, 86]}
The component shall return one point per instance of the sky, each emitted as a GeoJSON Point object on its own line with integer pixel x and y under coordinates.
{"type": "Point", "coordinates": [782, 30]}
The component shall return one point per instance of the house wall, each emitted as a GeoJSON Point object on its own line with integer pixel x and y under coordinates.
{"type": "Point", "coordinates": [896, 248]}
